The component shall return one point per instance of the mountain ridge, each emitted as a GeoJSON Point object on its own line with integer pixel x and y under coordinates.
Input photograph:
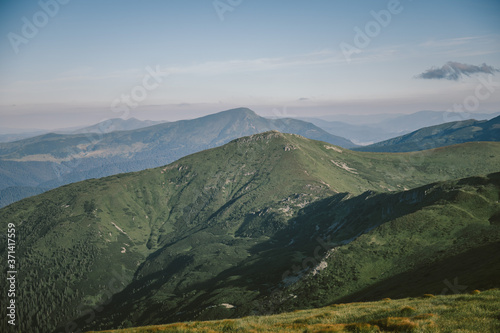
{"type": "Point", "coordinates": [389, 127]}
{"type": "Point", "coordinates": [440, 135]}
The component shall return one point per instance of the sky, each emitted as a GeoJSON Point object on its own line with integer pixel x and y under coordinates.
{"type": "Point", "coordinates": [73, 62]}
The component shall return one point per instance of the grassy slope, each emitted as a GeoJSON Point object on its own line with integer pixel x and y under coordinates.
{"type": "Point", "coordinates": [476, 312]}
{"type": "Point", "coordinates": [189, 223]}
{"type": "Point", "coordinates": [431, 235]}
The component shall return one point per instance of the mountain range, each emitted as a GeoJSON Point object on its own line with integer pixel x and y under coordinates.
{"type": "Point", "coordinates": [106, 126]}
{"type": "Point", "coordinates": [36, 164]}
{"type": "Point", "coordinates": [114, 125]}
{"type": "Point", "coordinates": [263, 224]}
{"type": "Point", "coordinates": [440, 135]}
{"type": "Point", "coordinates": [370, 129]}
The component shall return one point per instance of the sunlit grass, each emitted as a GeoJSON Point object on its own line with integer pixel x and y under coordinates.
{"type": "Point", "coordinates": [473, 312]}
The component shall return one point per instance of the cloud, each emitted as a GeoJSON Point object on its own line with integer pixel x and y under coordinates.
{"type": "Point", "coordinates": [259, 64]}
{"type": "Point", "coordinates": [455, 70]}
{"type": "Point", "coordinates": [317, 58]}
{"type": "Point", "coordinates": [451, 41]}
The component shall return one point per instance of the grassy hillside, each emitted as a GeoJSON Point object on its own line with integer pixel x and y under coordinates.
{"type": "Point", "coordinates": [432, 238]}
{"type": "Point", "coordinates": [220, 226]}
{"type": "Point", "coordinates": [474, 312]}
{"type": "Point", "coordinates": [441, 135]}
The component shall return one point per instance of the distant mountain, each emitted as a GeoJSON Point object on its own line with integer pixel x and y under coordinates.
{"type": "Point", "coordinates": [359, 119]}
{"type": "Point", "coordinates": [106, 126]}
{"type": "Point", "coordinates": [228, 231]}
{"type": "Point", "coordinates": [375, 129]}
{"type": "Point", "coordinates": [440, 135]}
{"type": "Point", "coordinates": [117, 124]}
{"type": "Point", "coordinates": [12, 194]}
{"type": "Point", "coordinates": [52, 160]}
{"type": "Point", "coordinates": [359, 134]}
{"type": "Point", "coordinates": [414, 121]}
{"type": "Point", "coordinates": [11, 134]}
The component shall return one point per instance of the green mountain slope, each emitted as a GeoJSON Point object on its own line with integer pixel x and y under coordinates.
{"type": "Point", "coordinates": [52, 160]}
{"type": "Point", "coordinates": [440, 136]}
{"type": "Point", "coordinates": [435, 239]}
{"type": "Point", "coordinates": [220, 226]}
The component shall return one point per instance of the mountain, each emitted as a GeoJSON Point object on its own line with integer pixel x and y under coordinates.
{"type": "Point", "coordinates": [116, 124]}
{"type": "Point", "coordinates": [359, 119]}
{"type": "Point", "coordinates": [12, 194]}
{"type": "Point", "coordinates": [52, 160]}
{"type": "Point", "coordinates": [106, 126]}
{"type": "Point", "coordinates": [434, 239]}
{"type": "Point", "coordinates": [218, 233]}
{"type": "Point", "coordinates": [376, 128]}
{"type": "Point", "coordinates": [414, 121]}
{"type": "Point", "coordinates": [11, 134]}
{"type": "Point", "coordinates": [359, 134]}
{"type": "Point", "coordinates": [440, 135]}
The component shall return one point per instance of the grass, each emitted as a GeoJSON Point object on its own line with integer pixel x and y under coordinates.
{"type": "Point", "coordinates": [454, 313]}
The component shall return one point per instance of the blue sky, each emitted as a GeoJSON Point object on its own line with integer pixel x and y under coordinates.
{"type": "Point", "coordinates": [278, 57]}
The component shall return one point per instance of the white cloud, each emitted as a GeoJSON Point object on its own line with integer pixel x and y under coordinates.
{"type": "Point", "coordinates": [324, 57]}
{"type": "Point", "coordinates": [462, 47]}
{"type": "Point", "coordinates": [449, 42]}
{"type": "Point", "coordinates": [259, 64]}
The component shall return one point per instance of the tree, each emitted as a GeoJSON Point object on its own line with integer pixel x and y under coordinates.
{"type": "Point", "coordinates": [89, 207]}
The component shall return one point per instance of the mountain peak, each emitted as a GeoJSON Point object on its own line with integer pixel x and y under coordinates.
{"type": "Point", "coordinates": [240, 111]}
{"type": "Point", "coordinates": [273, 134]}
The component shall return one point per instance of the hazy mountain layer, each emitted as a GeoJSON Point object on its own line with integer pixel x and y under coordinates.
{"type": "Point", "coordinates": [375, 128]}
{"type": "Point", "coordinates": [117, 124]}
{"type": "Point", "coordinates": [440, 136]}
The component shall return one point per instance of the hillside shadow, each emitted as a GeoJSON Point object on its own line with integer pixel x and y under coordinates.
{"type": "Point", "coordinates": [461, 273]}
{"type": "Point", "coordinates": [301, 243]}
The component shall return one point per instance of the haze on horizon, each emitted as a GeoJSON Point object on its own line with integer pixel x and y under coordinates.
{"type": "Point", "coordinates": [68, 63]}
